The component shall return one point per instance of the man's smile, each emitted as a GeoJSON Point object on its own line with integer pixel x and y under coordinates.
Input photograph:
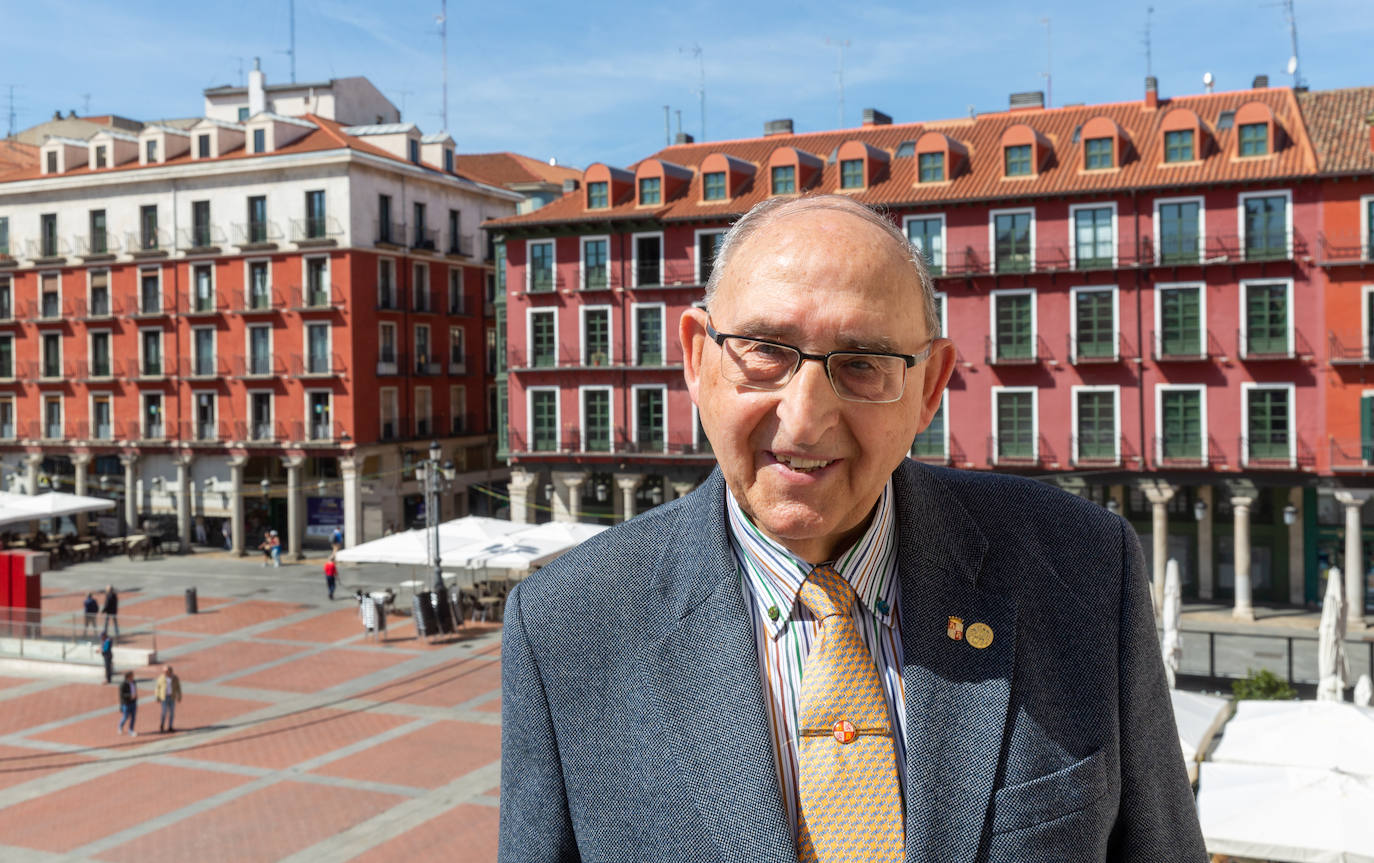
{"type": "Point", "coordinates": [800, 464]}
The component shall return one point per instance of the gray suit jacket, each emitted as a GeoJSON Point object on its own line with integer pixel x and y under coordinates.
{"type": "Point", "coordinates": [633, 715]}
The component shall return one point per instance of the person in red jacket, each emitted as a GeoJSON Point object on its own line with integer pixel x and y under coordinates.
{"type": "Point", "coordinates": [331, 575]}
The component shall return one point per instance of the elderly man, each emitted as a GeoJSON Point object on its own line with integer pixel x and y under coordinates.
{"type": "Point", "coordinates": [827, 651]}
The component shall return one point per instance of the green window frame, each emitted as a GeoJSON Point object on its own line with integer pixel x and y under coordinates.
{"type": "Point", "coordinates": [931, 442]}
{"type": "Point", "coordinates": [1267, 431]}
{"type": "Point", "coordinates": [1180, 322]}
{"type": "Point", "coordinates": [1254, 139]}
{"type": "Point", "coordinates": [1014, 326]}
{"type": "Point", "coordinates": [499, 253]}
{"type": "Point", "coordinates": [1094, 319]}
{"type": "Point", "coordinates": [1181, 424]}
{"type": "Point", "coordinates": [1367, 429]}
{"type": "Point", "coordinates": [1018, 160]}
{"type": "Point", "coordinates": [852, 174]}
{"type": "Point", "coordinates": [1266, 227]}
{"type": "Point", "coordinates": [784, 179]}
{"type": "Point", "coordinates": [1179, 232]}
{"type": "Point", "coordinates": [1015, 424]}
{"type": "Point", "coordinates": [1369, 230]}
{"type": "Point", "coordinates": [595, 273]}
{"type": "Point", "coordinates": [543, 340]}
{"type": "Point", "coordinates": [650, 190]}
{"type": "Point", "coordinates": [649, 418]}
{"type": "Point", "coordinates": [927, 235]}
{"type": "Point", "coordinates": [713, 186]}
{"type": "Point", "coordinates": [1096, 427]}
{"type": "Point", "coordinates": [596, 418]}
{"type": "Point", "coordinates": [541, 267]}
{"type": "Point", "coordinates": [1097, 154]}
{"type": "Point", "coordinates": [4, 235]}
{"type": "Point", "coordinates": [1178, 145]}
{"type": "Point", "coordinates": [598, 196]}
{"type": "Point", "coordinates": [649, 335]}
{"type": "Point", "coordinates": [596, 337]}
{"type": "Point", "coordinates": [1012, 242]}
{"type": "Point", "coordinates": [544, 420]}
{"type": "Point", "coordinates": [1094, 240]}
{"type": "Point", "coordinates": [931, 167]}
{"type": "Point", "coordinates": [1266, 319]}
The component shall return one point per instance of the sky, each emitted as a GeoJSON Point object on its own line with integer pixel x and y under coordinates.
{"type": "Point", "coordinates": [588, 82]}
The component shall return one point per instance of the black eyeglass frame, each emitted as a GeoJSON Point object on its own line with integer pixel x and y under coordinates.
{"type": "Point", "coordinates": [824, 359]}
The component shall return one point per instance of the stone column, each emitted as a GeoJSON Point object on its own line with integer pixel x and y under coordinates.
{"type": "Point", "coordinates": [627, 483]}
{"type": "Point", "coordinates": [295, 512]}
{"type": "Point", "coordinates": [1244, 608]}
{"type": "Point", "coordinates": [32, 461]}
{"type": "Point", "coordinates": [567, 495]}
{"type": "Point", "coordinates": [1296, 556]}
{"type": "Point", "coordinates": [1206, 566]}
{"type": "Point", "coordinates": [236, 463]}
{"type": "Point", "coordinates": [82, 462]}
{"type": "Point", "coordinates": [520, 482]}
{"type": "Point", "coordinates": [682, 489]}
{"type": "Point", "coordinates": [130, 462]}
{"type": "Point", "coordinates": [183, 462]}
{"type": "Point", "coordinates": [1354, 557]}
{"type": "Point", "coordinates": [350, 468]}
{"type": "Point", "coordinates": [1159, 494]}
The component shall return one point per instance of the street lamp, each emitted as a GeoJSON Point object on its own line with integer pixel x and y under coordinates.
{"type": "Point", "coordinates": [1290, 514]}
{"type": "Point", "coordinates": [1200, 510]}
{"type": "Point", "coordinates": [435, 475]}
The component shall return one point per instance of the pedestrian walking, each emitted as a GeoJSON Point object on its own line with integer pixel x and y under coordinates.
{"type": "Point", "coordinates": [228, 538]}
{"type": "Point", "coordinates": [107, 653]}
{"type": "Point", "coordinates": [275, 547]}
{"type": "Point", "coordinates": [91, 609]}
{"type": "Point", "coordinates": [331, 575]}
{"type": "Point", "coordinates": [167, 693]}
{"type": "Point", "coordinates": [369, 613]}
{"type": "Point", "coordinates": [201, 538]}
{"type": "Point", "coordinates": [111, 611]}
{"type": "Point", "coordinates": [266, 546]}
{"type": "Point", "coordinates": [128, 703]}
{"type": "Point", "coordinates": [336, 538]}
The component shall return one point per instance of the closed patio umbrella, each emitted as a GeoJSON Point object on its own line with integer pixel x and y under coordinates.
{"type": "Point", "coordinates": [1172, 644]}
{"type": "Point", "coordinates": [1332, 672]}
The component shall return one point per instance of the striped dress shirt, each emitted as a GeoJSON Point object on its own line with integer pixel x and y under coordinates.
{"type": "Point", "coordinates": [785, 630]}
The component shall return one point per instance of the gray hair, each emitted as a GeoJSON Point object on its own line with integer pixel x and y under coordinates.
{"type": "Point", "coordinates": [770, 210]}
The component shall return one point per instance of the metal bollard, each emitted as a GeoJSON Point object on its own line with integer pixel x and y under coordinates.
{"type": "Point", "coordinates": [192, 606]}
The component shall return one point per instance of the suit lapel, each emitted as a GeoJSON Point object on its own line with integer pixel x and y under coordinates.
{"type": "Point", "coordinates": [702, 676]}
{"type": "Point", "coordinates": [957, 695]}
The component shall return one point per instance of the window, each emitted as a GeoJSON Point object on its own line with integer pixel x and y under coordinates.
{"type": "Point", "coordinates": [100, 295]}
{"type": "Point", "coordinates": [100, 156]}
{"type": "Point", "coordinates": [596, 419]}
{"type": "Point", "coordinates": [52, 161]}
{"type": "Point", "coordinates": [597, 195]}
{"type": "Point", "coordinates": [202, 288]}
{"type": "Point", "coordinates": [457, 351]}
{"type": "Point", "coordinates": [448, 160]}
{"type": "Point", "coordinates": [6, 355]}
{"type": "Point", "coordinates": [1178, 146]}
{"type": "Point", "coordinates": [49, 296]}
{"type": "Point", "coordinates": [1014, 416]}
{"type": "Point", "coordinates": [52, 417]}
{"type": "Point", "coordinates": [708, 246]}
{"type": "Point", "coordinates": [152, 416]}
{"type": "Point", "coordinates": [260, 350]}
{"type": "Point", "coordinates": [648, 259]}
{"type": "Point", "coordinates": [1180, 321]}
{"type": "Point", "coordinates": [1180, 424]}
{"type": "Point", "coordinates": [1094, 237]}
{"type": "Point", "coordinates": [149, 292]}
{"type": "Point", "coordinates": [713, 186]}
{"type": "Point", "coordinates": [206, 428]}
{"type": "Point", "coordinates": [1179, 231]}
{"type": "Point", "coordinates": [1013, 325]}
{"type": "Point", "coordinates": [422, 239]}
{"type": "Point", "coordinates": [260, 416]}
{"type": "Point", "coordinates": [1095, 435]}
{"type": "Point", "coordinates": [1097, 154]}
{"type": "Point", "coordinates": [48, 234]}
{"type": "Point", "coordinates": [1266, 318]}
{"type": "Point", "coordinates": [7, 418]}
{"type": "Point", "coordinates": [419, 290]}
{"type": "Point", "coordinates": [1254, 139]}
{"type": "Point", "coordinates": [541, 266]}
{"type": "Point", "coordinates": [458, 409]}
{"type": "Point", "coordinates": [649, 335]}
{"type": "Point", "coordinates": [99, 242]}
{"type": "Point", "coordinates": [543, 339]}
{"type": "Point", "coordinates": [202, 146]}
{"type": "Point", "coordinates": [315, 227]}
{"type": "Point", "coordinates": [259, 289]}
{"type": "Point", "coordinates": [928, 235]}
{"type": "Point", "coordinates": [784, 179]}
{"type": "Point", "coordinates": [259, 140]}
{"type": "Point", "coordinates": [151, 343]}
{"type": "Point", "coordinates": [496, 344]}
{"type": "Point", "coordinates": [931, 167]}
{"type": "Point", "coordinates": [500, 266]}
{"type": "Point", "coordinates": [4, 236]}
{"type": "Point", "coordinates": [52, 355]}
{"type": "Point", "coordinates": [386, 346]}
{"type": "Point", "coordinates": [1094, 324]}
{"type": "Point", "coordinates": [387, 414]}
{"type": "Point", "coordinates": [423, 357]}
{"type": "Point", "coordinates": [930, 444]}
{"type": "Point", "coordinates": [852, 174]}
{"type": "Point", "coordinates": [457, 301]}
{"type": "Point", "coordinates": [147, 225]}
{"type": "Point", "coordinates": [384, 227]}
{"type": "Point", "coordinates": [649, 418]}
{"type": "Point", "coordinates": [200, 224]}
{"type": "Point", "coordinates": [386, 283]}
{"type": "Point", "coordinates": [1018, 160]}
{"type": "Point", "coordinates": [543, 420]}
{"type": "Point", "coordinates": [1265, 224]}
{"type": "Point", "coordinates": [650, 190]}
{"type": "Point", "coordinates": [317, 289]}
{"type": "Point", "coordinates": [594, 269]}
{"type": "Point", "coordinates": [150, 151]}
{"type": "Point", "coordinates": [413, 150]}
{"type": "Point", "coordinates": [317, 361]}
{"type": "Point", "coordinates": [320, 412]}
{"type": "Point", "coordinates": [1268, 422]}
{"type": "Point", "coordinates": [1012, 232]}
{"type": "Point", "coordinates": [596, 335]}
{"type": "Point", "coordinates": [100, 354]}
{"type": "Point", "coordinates": [6, 298]}
{"type": "Point", "coordinates": [455, 228]}
{"type": "Point", "coordinates": [424, 412]}
{"type": "Point", "coordinates": [102, 418]}
{"type": "Point", "coordinates": [203, 356]}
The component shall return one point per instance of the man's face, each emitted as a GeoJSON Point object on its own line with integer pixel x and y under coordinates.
{"type": "Point", "coordinates": [805, 465]}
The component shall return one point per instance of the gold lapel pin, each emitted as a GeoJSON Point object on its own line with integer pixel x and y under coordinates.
{"type": "Point", "coordinates": [979, 635]}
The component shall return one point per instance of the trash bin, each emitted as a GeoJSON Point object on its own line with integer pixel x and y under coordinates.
{"type": "Point", "coordinates": [422, 609]}
{"type": "Point", "coordinates": [192, 607]}
{"type": "Point", "coordinates": [443, 612]}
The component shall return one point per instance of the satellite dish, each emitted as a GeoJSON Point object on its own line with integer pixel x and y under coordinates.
{"type": "Point", "coordinates": [1292, 64]}
{"type": "Point", "coordinates": [1207, 79]}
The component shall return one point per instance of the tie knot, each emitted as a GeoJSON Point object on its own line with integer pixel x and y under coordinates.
{"type": "Point", "coordinates": [825, 593]}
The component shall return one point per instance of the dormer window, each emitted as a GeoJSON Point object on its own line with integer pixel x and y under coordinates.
{"type": "Point", "coordinates": [100, 157]}
{"type": "Point", "coordinates": [202, 146]}
{"type": "Point", "coordinates": [1178, 146]}
{"type": "Point", "coordinates": [243, 114]}
{"type": "Point", "coordinates": [52, 161]}
{"type": "Point", "coordinates": [1097, 154]}
{"type": "Point", "coordinates": [650, 190]}
{"type": "Point", "coordinates": [597, 195]}
{"type": "Point", "coordinates": [713, 186]}
{"type": "Point", "coordinates": [448, 160]}
{"type": "Point", "coordinates": [259, 140]}
{"type": "Point", "coordinates": [1254, 139]}
{"type": "Point", "coordinates": [150, 151]}
{"type": "Point", "coordinates": [932, 167]}
{"type": "Point", "coordinates": [852, 174]}
{"type": "Point", "coordinates": [1018, 160]}
{"type": "Point", "coordinates": [784, 179]}
{"type": "Point", "coordinates": [413, 150]}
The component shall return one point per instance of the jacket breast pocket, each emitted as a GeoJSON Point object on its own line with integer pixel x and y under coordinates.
{"type": "Point", "coordinates": [1052, 797]}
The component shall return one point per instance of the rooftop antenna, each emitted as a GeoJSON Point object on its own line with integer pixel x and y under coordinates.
{"type": "Point", "coordinates": [1149, 24]}
{"type": "Point", "coordinates": [292, 50]}
{"type": "Point", "coordinates": [839, 73]}
{"type": "Point", "coordinates": [442, 20]}
{"type": "Point", "coordinates": [85, 104]}
{"type": "Point", "coordinates": [1048, 74]}
{"type": "Point", "coordinates": [678, 111]}
{"type": "Point", "coordinates": [403, 94]}
{"type": "Point", "coordinates": [667, 128]}
{"type": "Point", "coordinates": [1208, 81]}
{"type": "Point", "coordinates": [243, 82]}
{"type": "Point", "coordinates": [1293, 37]}
{"type": "Point", "coordinates": [10, 133]}
{"type": "Point", "coordinates": [701, 82]}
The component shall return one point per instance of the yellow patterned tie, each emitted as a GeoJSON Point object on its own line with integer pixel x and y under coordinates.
{"type": "Point", "coordinates": [851, 803]}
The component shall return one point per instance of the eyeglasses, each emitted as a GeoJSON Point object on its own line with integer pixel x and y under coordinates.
{"type": "Point", "coordinates": [856, 376]}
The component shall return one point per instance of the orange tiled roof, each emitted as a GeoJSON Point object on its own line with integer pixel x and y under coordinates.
{"type": "Point", "coordinates": [500, 169]}
{"type": "Point", "coordinates": [17, 159]}
{"type": "Point", "coordinates": [1337, 122]}
{"type": "Point", "coordinates": [1142, 168]}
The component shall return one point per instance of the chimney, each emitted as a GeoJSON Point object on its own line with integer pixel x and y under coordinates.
{"type": "Point", "coordinates": [777, 127]}
{"type": "Point", "coordinates": [684, 138]}
{"type": "Point", "coordinates": [569, 186]}
{"type": "Point", "coordinates": [1260, 82]}
{"type": "Point", "coordinates": [1028, 101]}
{"type": "Point", "coordinates": [1151, 91]}
{"type": "Point", "coordinates": [874, 117]}
{"type": "Point", "coordinates": [257, 89]}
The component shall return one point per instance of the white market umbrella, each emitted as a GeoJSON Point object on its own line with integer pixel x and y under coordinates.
{"type": "Point", "coordinates": [1199, 717]}
{"type": "Point", "coordinates": [1317, 734]}
{"type": "Point", "coordinates": [54, 504]}
{"type": "Point", "coordinates": [1172, 644]}
{"type": "Point", "coordinates": [1332, 671]}
{"type": "Point", "coordinates": [412, 547]}
{"type": "Point", "coordinates": [1364, 691]}
{"type": "Point", "coordinates": [527, 549]}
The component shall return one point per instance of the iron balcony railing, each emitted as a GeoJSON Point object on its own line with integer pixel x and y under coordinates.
{"type": "Point", "coordinates": [1187, 451]}
{"type": "Point", "coordinates": [255, 233]}
{"type": "Point", "coordinates": [317, 365]}
{"type": "Point", "coordinates": [1178, 350]}
{"type": "Point", "coordinates": [313, 229]}
{"type": "Point", "coordinates": [323, 297]}
{"type": "Point", "coordinates": [1257, 347]}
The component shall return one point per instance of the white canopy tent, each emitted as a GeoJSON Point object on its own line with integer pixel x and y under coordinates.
{"type": "Point", "coordinates": [411, 547]}
{"type": "Point", "coordinates": [16, 508]}
{"type": "Point", "coordinates": [1199, 717]}
{"type": "Point", "coordinates": [528, 549]}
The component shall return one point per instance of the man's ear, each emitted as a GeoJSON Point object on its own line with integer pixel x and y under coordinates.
{"type": "Point", "coordinates": [692, 334]}
{"type": "Point", "coordinates": [935, 377]}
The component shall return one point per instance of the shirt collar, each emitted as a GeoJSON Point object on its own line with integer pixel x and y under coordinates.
{"type": "Point", "coordinates": [775, 575]}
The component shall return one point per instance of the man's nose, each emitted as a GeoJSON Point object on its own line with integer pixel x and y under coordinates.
{"type": "Point", "coordinates": [808, 406]}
